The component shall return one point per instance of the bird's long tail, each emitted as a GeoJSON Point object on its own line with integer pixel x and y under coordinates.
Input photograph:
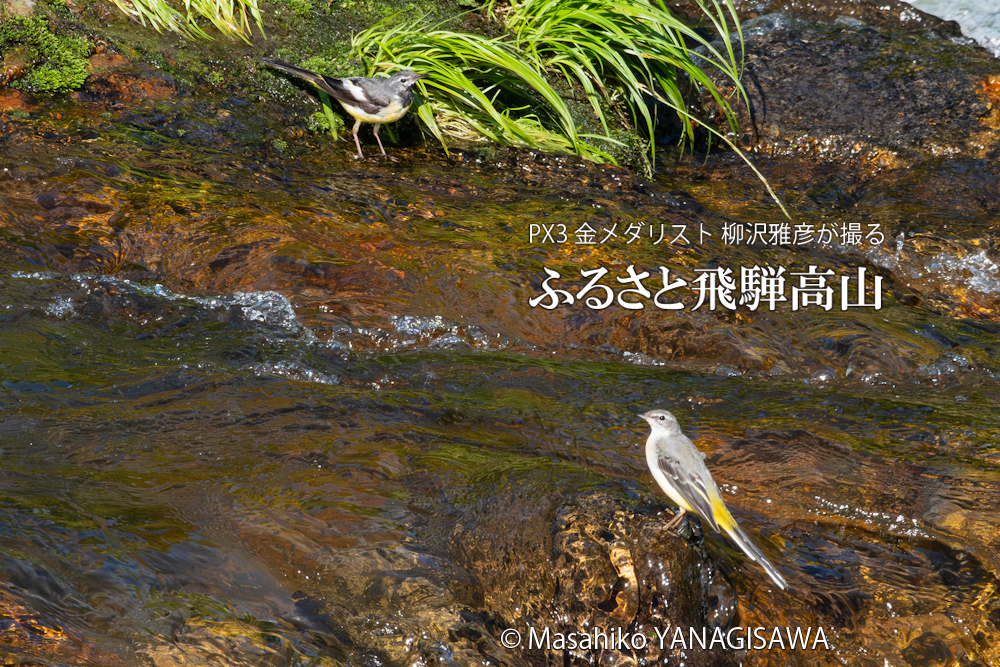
{"type": "Point", "coordinates": [728, 524]}
{"type": "Point", "coordinates": [318, 80]}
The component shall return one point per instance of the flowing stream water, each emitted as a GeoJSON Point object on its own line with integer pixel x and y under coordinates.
{"type": "Point", "coordinates": [980, 19]}
{"type": "Point", "coordinates": [269, 410]}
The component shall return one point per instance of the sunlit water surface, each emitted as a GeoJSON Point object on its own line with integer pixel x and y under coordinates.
{"type": "Point", "coordinates": [980, 19]}
{"type": "Point", "coordinates": [261, 413]}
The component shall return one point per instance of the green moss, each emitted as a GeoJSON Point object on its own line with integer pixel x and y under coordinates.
{"type": "Point", "coordinates": [319, 122]}
{"type": "Point", "coordinates": [59, 63]}
{"type": "Point", "coordinates": [338, 66]}
{"type": "Point", "coordinates": [300, 7]}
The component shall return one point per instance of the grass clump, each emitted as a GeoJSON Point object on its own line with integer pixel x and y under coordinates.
{"type": "Point", "coordinates": [526, 87]}
{"type": "Point", "coordinates": [59, 64]}
{"type": "Point", "coordinates": [230, 17]}
{"type": "Point", "coordinates": [480, 89]}
{"type": "Point", "coordinates": [613, 55]}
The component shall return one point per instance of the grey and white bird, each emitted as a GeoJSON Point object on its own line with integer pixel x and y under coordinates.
{"type": "Point", "coordinates": [375, 101]}
{"type": "Point", "coordinates": [680, 470]}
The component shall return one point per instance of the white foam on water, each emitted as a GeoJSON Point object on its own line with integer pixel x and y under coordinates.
{"type": "Point", "coordinates": [267, 308]}
{"type": "Point", "coordinates": [291, 370]}
{"type": "Point", "coordinates": [976, 271]}
{"type": "Point", "coordinates": [980, 19]}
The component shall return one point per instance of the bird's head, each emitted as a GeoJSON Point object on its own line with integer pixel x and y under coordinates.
{"type": "Point", "coordinates": [661, 420]}
{"type": "Point", "coordinates": [407, 77]}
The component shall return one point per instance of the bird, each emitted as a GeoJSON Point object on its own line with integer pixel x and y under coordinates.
{"type": "Point", "coordinates": [375, 101]}
{"type": "Point", "coordinates": [680, 470]}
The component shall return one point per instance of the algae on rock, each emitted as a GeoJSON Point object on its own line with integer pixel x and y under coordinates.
{"type": "Point", "coordinates": [57, 64]}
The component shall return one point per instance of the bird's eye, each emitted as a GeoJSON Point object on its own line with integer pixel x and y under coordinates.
{"type": "Point", "coordinates": [661, 417]}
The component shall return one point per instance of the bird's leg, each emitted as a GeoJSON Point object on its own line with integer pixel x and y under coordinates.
{"type": "Point", "coordinates": [676, 521]}
{"type": "Point", "coordinates": [377, 126]}
{"type": "Point", "coordinates": [357, 126]}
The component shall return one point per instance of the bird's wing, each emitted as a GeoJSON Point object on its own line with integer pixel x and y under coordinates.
{"type": "Point", "coordinates": [689, 482]}
{"type": "Point", "coordinates": [371, 98]}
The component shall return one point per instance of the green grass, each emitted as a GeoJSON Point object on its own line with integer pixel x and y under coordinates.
{"type": "Point", "coordinates": [566, 74]}
{"type": "Point", "coordinates": [468, 73]}
{"type": "Point", "coordinates": [230, 17]}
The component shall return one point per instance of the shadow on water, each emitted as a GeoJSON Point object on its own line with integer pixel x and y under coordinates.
{"type": "Point", "coordinates": [298, 411]}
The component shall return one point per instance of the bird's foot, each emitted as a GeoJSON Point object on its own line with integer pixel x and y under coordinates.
{"type": "Point", "coordinates": [676, 521]}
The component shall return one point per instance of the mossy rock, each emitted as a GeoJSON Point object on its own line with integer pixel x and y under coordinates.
{"type": "Point", "coordinates": [59, 64]}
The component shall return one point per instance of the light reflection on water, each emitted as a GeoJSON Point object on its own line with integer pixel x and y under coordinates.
{"type": "Point", "coordinates": [309, 420]}
{"type": "Point", "coordinates": [169, 502]}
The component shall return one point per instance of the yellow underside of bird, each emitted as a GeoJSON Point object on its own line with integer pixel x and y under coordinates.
{"type": "Point", "coordinates": [391, 113]}
{"type": "Point", "coordinates": [722, 516]}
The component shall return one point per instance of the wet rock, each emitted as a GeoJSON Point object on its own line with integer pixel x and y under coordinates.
{"type": "Point", "coordinates": [595, 569]}
{"type": "Point", "coordinates": [893, 14]}
{"type": "Point", "coordinates": [15, 100]}
{"type": "Point", "coordinates": [856, 85]}
{"type": "Point", "coordinates": [22, 8]}
{"type": "Point", "coordinates": [16, 63]}
{"type": "Point", "coordinates": [114, 78]}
